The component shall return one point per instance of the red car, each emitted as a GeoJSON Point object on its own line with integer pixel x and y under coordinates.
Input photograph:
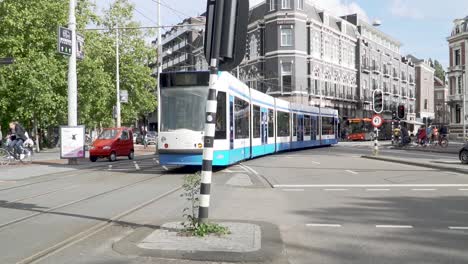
{"type": "Point", "coordinates": [111, 143]}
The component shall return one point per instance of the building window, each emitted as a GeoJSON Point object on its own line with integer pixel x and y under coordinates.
{"type": "Point", "coordinates": [272, 5]}
{"type": "Point", "coordinates": [285, 4]}
{"type": "Point", "coordinates": [300, 4]}
{"type": "Point", "coordinates": [286, 77]}
{"type": "Point", "coordinates": [458, 114]}
{"type": "Point", "coordinates": [425, 104]}
{"type": "Point", "coordinates": [460, 84]}
{"type": "Point", "coordinates": [457, 57]}
{"type": "Point", "coordinates": [253, 47]}
{"type": "Point", "coordinates": [286, 37]}
{"type": "Point", "coordinates": [316, 43]}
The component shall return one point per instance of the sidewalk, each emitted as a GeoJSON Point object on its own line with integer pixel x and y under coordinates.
{"type": "Point", "coordinates": [49, 162]}
{"type": "Point", "coordinates": [452, 148]}
{"type": "Point", "coordinates": [443, 165]}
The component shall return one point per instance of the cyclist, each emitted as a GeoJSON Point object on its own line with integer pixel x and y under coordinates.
{"type": "Point", "coordinates": [17, 138]}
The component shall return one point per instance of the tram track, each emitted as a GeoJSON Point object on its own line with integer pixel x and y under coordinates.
{"type": "Point", "coordinates": [65, 175]}
{"type": "Point", "coordinates": [41, 212]}
{"type": "Point", "coordinates": [56, 248]}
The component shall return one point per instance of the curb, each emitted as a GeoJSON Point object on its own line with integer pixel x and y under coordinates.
{"type": "Point", "coordinates": [427, 150]}
{"type": "Point", "coordinates": [271, 251]}
{"type": "Point", "coordinates": [418, 164]}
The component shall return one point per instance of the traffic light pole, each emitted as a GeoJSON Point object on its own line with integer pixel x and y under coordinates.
{"type": "Point", "coordinates": [72, 78]}
{"type": "Point", "coordinates": [209, 134]}
{"type": "Point", "coordinates": [376, 142]}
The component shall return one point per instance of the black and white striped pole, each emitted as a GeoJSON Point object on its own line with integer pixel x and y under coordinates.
{"type": "Point", "coordinates": [209, 134]}
{"type": "Point", "coordinates": [376, 141]}
{"type": "Point", "coordinates": [225, 43]}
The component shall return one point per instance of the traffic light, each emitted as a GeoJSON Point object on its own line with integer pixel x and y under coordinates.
{"type": "Point", "coordinates": [226, 32]}
{"type": "Point", "coordinates": [394, 115]}
{"type": "Point", "coordinates": [378, 101]}
{"type": "Point", "coordinates": [401, 111]}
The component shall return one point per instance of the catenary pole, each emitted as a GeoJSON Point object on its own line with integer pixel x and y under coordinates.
{"type": "Point", "coordinates": [117, 77]}
{"type": "Point", "coordinates": [159, 60]}
{"type": "Point", "coordinates": [210, 126]}
{"type": "Point", "coordinates": [72, 78]}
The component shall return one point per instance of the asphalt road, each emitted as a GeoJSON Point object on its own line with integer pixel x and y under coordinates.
{"type": "Point", "coordinates": [331, 207]}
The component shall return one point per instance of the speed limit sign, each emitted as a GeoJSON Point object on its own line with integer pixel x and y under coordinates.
{"type": "Point", "coordinates": [377, 121]}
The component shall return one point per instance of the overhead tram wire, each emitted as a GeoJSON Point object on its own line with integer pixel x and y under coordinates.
{"type": "Point", "coordinates": [172, 9]}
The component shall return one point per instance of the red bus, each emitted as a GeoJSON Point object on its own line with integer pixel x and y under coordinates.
{"type": "Point", "coordinates": [361, 129]}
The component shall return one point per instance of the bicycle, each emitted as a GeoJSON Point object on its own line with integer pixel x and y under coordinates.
{"type": "Point", "coordinates": [441, 141]}
{"type": "Point", "coordinates": [7, 156]}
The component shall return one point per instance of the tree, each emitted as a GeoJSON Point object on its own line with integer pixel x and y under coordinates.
{"type": "Point", "coordinates": [439, 70]}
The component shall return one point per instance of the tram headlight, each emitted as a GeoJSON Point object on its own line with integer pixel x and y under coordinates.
{"type": "Point", "coordinates": [163, 139]}
{"type": "Point", "coordinates": [200, 145]}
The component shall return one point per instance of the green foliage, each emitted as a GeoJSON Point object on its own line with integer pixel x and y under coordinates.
{"type": "Point", "coordinates": [192, 226]}
{"type": "Point", "coordinates": [35, 87]}
{"type": "Point", "coordinates": [439, 70]}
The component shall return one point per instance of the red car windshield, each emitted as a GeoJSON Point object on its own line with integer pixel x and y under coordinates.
{"type": "Point", "coordinates": [108, 134]}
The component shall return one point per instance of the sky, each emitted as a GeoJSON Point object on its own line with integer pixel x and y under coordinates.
{"type": "Point", "coordinates": [422, 26]}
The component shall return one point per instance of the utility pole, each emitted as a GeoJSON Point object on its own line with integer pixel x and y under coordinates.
{"type": "Point", "coordinates": [159, 62]}
{"type": "Point", "coordinates": [117, 76]}
{"type": "Point", "coordinates": [72, 79]}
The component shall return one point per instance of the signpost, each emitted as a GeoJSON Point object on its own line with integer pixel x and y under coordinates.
{"type": "Point", "coordinates": [377, 122]}
{"type": "Point", "coordinates": [65, 41]}
{"type": "Point", "coordinates": [225, 43]}
{"type": "Point", "coordinates": [123, 96]}
{"type": "Point", "coordinates": [80, 54]}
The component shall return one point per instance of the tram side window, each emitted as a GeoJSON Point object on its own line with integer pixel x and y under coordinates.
{"type": "Point", "coordinates": [294, 125]}
{"type": "Point", "coordinates": [307, 127]}
{"type": "Point", "coordinates": [256, 121]}
{"type": "Point", "coordinates": [241, 116]}
{"type": "Point", "coordinates": [221, 132]}
{"type": "Point", "coordinates": [271, 124]}
{"type": "Point", "coordinates": [284, 124]}
{"type": "Point", "coordinates": [314, 131]}
{"type": "Point", "coordinates": [328, 124]}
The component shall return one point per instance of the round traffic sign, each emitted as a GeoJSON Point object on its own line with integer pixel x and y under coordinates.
{"type": "Point", "coordinates": [377, 121]}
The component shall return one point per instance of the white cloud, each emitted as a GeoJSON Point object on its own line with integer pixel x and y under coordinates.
{"type": "Point", "coordinates": [340, 8]}
{"type": "Point", "coordinates": [402, 8]}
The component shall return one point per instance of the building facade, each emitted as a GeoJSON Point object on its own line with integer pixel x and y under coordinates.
{"type": "Point", "coordinates": [181, 43]}
{"type": "Point", "coordinates": [442, 110]}
{"type": "Point", "coordinates": [458, 42]}
{"type": "Point", "coordinates": [381, 66]}
{"type": "Point", "coordinates": [303, 54]}
{"type": "Point", "coordinates": [425, 107]}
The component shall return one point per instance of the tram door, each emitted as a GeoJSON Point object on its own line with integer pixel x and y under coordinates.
{"type": "Point", "coordinates": [264, 126]}
{"type": "Point", "coordinates": [300, 128]}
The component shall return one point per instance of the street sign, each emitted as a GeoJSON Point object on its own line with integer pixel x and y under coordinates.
{"type": "Point", "coordinates": [80, 54]}
{"type": "Point", "coordinates": [64, 41]}
{"type": "Point", "coordinates": [226, 32]}
{"type": "Point", "coordinates": [7, 61]}
{"type": "Point", "coordinates": [123, 96]}
{"type": "Point", "coordinates": [377, 121]}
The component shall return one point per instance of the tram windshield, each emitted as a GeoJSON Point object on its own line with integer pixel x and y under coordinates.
{"type": "Point", "coordinates": [183, 108]}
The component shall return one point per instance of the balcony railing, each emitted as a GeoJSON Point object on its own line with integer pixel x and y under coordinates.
{"type": "Point", "coordinates": [365, 68]}
{"type": "Point", "coordinates": [395, 76]}
{"type": "Point", "coordinates": [376, 69]}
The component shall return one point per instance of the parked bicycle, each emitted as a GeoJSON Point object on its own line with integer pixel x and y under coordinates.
{"type": "Point", "coordinates": [7, 156]}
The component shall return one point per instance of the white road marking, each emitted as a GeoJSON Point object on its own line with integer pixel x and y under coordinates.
{"type": "Point", "coordinates": [355, 156]}
{"type": "Point", "coordinates": [110, 167]}
{"type": "Point", "coordinates": [164, 167]}
{"type": "Point", "coordinates": [323, 225]}
{"type": "Point", "coordinates": [352, 172]}
{"type": "Point", "coordinates": [394, 226]}
{"type": "Point", "coordinates": [377, 190]}
{"type": "Point", "coordinates": [366, 185]}
{"type": "Point", "coordinates": [314, 162]}
{"type": "Point", "coordinates": [250, 169]}
{"type": "Point", "coordinates": [458, 227]}
{"type": "Point", "coordinates": [335, 190]}
{"type": "Point", "coordinates": [137, 167]}
{"type": "Point", "coordinates": [293, 190]}
{"type": "Point", "coordinates": [463, 189]}
{"type": "Point", "coordinates": [423, 190]}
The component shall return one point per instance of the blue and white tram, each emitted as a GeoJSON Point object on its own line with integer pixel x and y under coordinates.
{"type": "Point", "coordinates": [249, 123]}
